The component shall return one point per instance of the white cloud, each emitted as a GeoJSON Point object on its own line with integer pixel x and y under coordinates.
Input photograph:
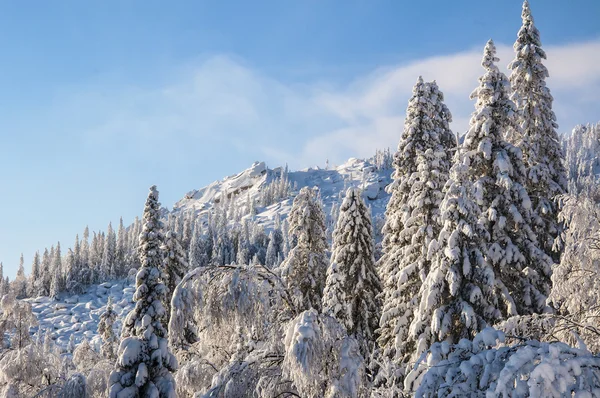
{"type": "Point", "coordinates": [223, 102]}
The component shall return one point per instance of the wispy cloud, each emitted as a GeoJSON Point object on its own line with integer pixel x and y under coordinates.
{"type": "Point", "coordinates": [224, 103]}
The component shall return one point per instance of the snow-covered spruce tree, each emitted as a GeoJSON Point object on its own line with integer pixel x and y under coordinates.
{"type": "Point", "coordinates": [1, 279]}
{"type": "Point", "coordinates": [457, 296]}
{"type": "Point", "coordinates": [105, 329]}
{"type": "Point", "coordinates": [58, 282]}
{"type": "Point", "coordinates": [20, 283]}
{"type": "Point", "coordinates": [73, 274]}
{"type": "Point", "coordinates": [522, 270]}
{"type": "Point", "coordinates": [305, 267]}
{"type": "Point", "coordinates": [120, 250]}
{"type": "Point", "coordinates": [352, 284]}
{"type": "Point", "coordinates": [582, 158]}
{"type": "Point", "coordinates": [174, 266]}
{"type": "Point", "coordinates": [486, 367]}
{"type": "Point", "coordinates": [275, 248]}
{"type": "Point", "coordinates": [539, 141]}
{"type": "Point", "coordinates": [109, 254]}
{"type": "Point", "coordinates": [421, 168]}
{"type": "Point", "coordinates": [200, 248]}
{"type": "Point", "coordinates": [43, 288]}
{"type": "Point", "coordinates": [144, 363]}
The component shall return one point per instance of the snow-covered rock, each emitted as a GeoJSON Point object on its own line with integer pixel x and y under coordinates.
{"type": "Point", "coordinates": [78, 315]}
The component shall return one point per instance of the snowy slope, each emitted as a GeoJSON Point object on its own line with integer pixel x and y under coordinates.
{"type": "Point", "coordinates": [79, 314]}
{"type": "Point", "coordinates": [331, 183]}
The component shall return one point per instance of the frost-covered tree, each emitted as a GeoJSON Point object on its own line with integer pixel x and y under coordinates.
{"type": "Point", "coordinates": [24, 372]}
{"type": "Point", "coordinates": [174, 266]}
{"type": "Point", "coordinates": [17, 318]}
{"type": "Point", "coordinates": [2, 279]}
{"type": "Point", "coordinates": [421, 167]}
{"type": "Point", "coordinates": [84, 356]}
{"type": "Point", "coordinates": [275, 248]}
{"type": "Point", "coordinates": [58, 282]}
{"type": "Point", "coordinates": [582, 160]}
{"type": "Point", "coordinates": [352, 284]}
{"type": "Point", "coordinates": [20, 283]}
{"type": "Point", "coordinates": [34, 280]}
{"type": "Point", "coordinates": [73, 274]}
{"type": "Point", "coordinates": [109, 264]}
{"type": "Point", "coordinates": [305, 267]}
{"type": "Point", "coordinates": [457, 296]}
{"type": "Point", "coordinates": [120, 250]}
{"type": "Point", "coordinates": [539, 141]}
{"type": "Point", "coordinates": [189, 221]}
{"type": "Point", "coordinates": [45, 274]}
{"type": "Point", "coordinates": [107, 332]}
{"type": "Point", "coordinates": [85, 248]}
{"type": "Point", "coordinates": [575, 288]}
{"type": "Point", "coordinates": [484, 367]}
{"type": "Point", "coordinates": [71, 345]}
{"type": "Point", "coordinates": [321, 359]}
{"type": "Point", "coordinates": [144, 361]}
{"type": "Point", "coordinates": [200, 247]}
{"type": "Point", "coordinates": [75, 387]}
{"type": "Point", "coordinates": [522, 270]}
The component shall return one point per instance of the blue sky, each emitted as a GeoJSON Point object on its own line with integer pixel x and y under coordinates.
{"type": "Point", "coordinates": [101, 99]}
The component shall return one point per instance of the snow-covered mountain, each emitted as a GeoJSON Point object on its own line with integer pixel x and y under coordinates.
{"type": "Point", "coordinates": [251, 183]}
{"type": "Point", "coordinates": [78, 315]}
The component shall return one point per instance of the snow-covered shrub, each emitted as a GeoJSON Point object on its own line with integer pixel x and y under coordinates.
{"type": "Point", "coordinates": [27, 369]}
{"type": "Point", "coordinates": [245, 307]}
{"type": "Point", "coordinates": [75, 387]}
{"type": "Point", "coordinates": [16, 318]}
{"type": "Point", "coordinates": [484, 367]}
{"type": "Point", "coordinates": [321, 360]}
{"type": "Point", "coordinates": [97, 379]}
{"type": "Point", "coordinates": [84, 357]}
{"type": "Point", "coordinates": [105, 329]}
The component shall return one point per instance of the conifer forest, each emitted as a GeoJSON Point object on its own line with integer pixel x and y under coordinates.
{"type": "Point", "coordinates": [459, 264]}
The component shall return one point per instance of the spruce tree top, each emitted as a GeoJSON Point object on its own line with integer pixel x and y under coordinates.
{"type": "Point", "coordinates": [152, 236]}
{"type": "Point", "coordinates": [494, 110]}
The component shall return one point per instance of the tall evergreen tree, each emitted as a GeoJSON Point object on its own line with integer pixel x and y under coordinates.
{"type": "Point", "coordinates": [457, 297]}
{"type": "Point", "coordinates": [198, 254]}
{"type": "Point", "coordinates": [352, 284]}
{"type": "Point", "coordinates": [2, 288]}
{"type": "Point", "coordinates": [71, 271]}
{"type": "Point", "coordinates": [174, 267]}
{"type": "Point", "coordinates": [85, 249]}
{"type": "Point", "coordinates": [144, 364]}
{"type": "Point", "coordinates": [522, 270]}
{"type": "Point", "coordinates": [305, 268]}
{"type": "Point", "coordinates": [57, 267]}
{"type": "Point", "coordinates": [109, 254]}
{"type": "Point", "coordinates": [539, 141]}
{"type": "Point", "coordinates": [77, 254]}
{"type": "Point", "coordinates": [188, 230]}
{"type": "Point", "coordinates": [105, 329]}
{"type": "Point", "coordinates": [20, 283]}
{"type": "Point", "coordinates": [120, 250]}
{"type": "Point", "coordinates": [45, 274]}
{"type": "Point", "coordinates": [421, 164]}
